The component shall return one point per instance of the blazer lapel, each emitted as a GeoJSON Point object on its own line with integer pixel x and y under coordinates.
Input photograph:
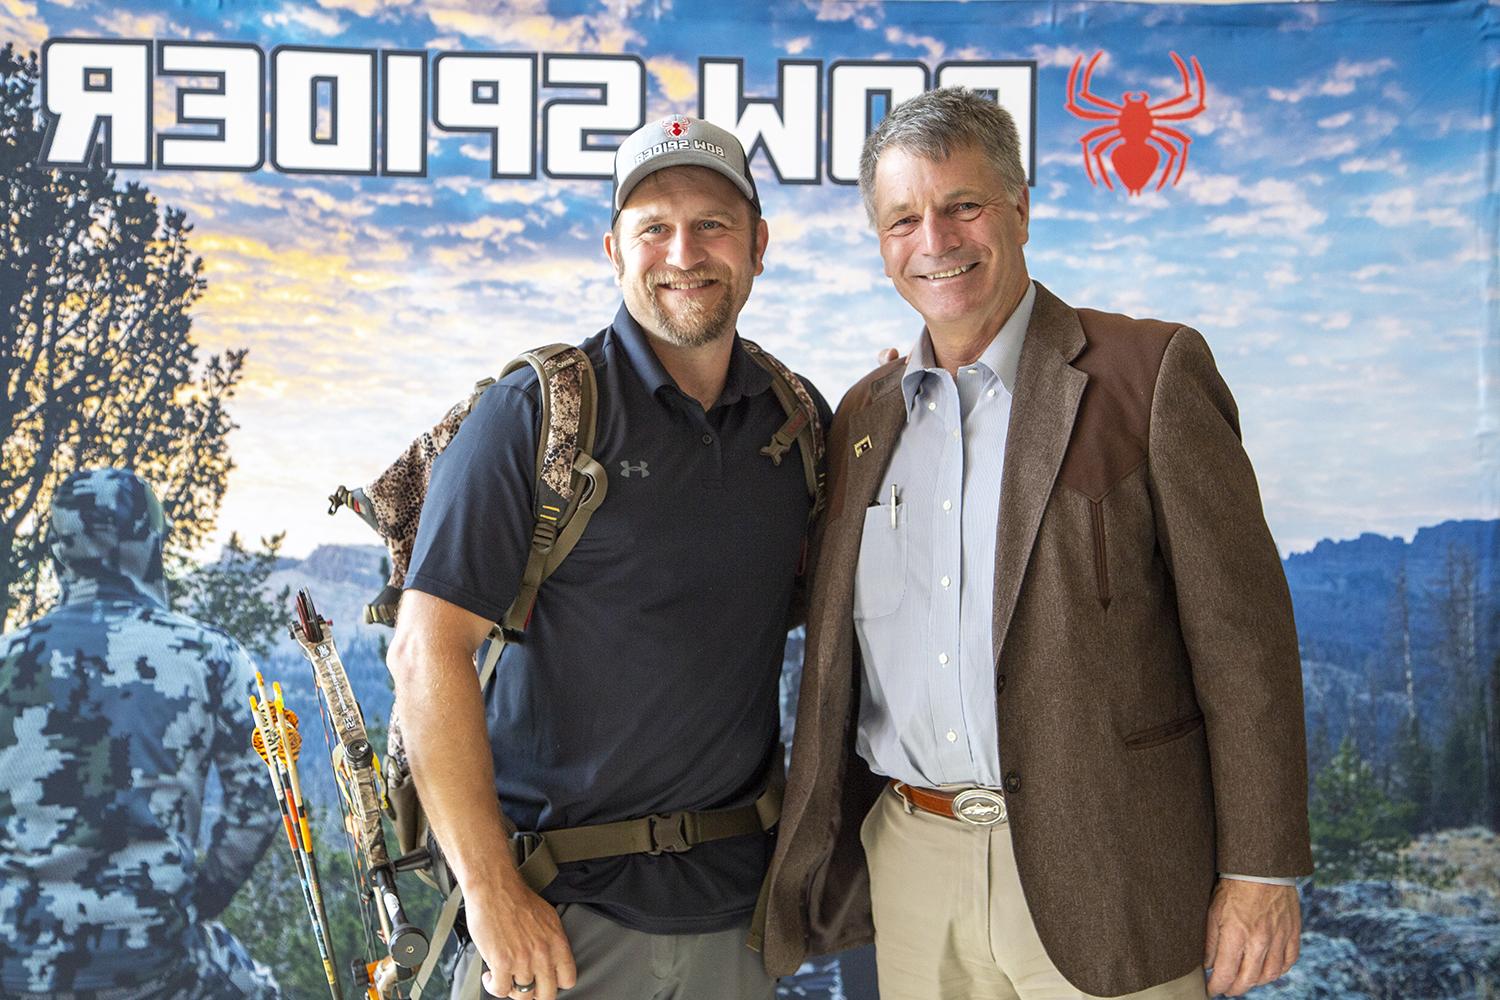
{"type": "Point", "coordinates": [1045, 403]}
{"type": "Point", "coordinates": [872, 434]}
{"type": "Point", "coordinates": [855, 476]}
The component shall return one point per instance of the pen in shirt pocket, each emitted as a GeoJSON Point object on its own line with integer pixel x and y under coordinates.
{"type": "Point", "coordinates": [895, 504]}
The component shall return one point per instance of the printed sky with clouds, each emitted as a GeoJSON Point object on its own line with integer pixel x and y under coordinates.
{"type": "Point", "coordinates": [1333, 235]}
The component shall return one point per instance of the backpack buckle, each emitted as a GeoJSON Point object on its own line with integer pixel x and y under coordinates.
{"type": "Point", "coordinates": [523, 845]}
{"type": "Point", "coordinates": [668, 833]}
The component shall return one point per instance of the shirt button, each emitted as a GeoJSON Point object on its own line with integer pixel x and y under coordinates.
{"type": "Point", "coordinates": [952, 736]}
{"type": "Point", "coordinates": [931, 406]}
{"type": "Point", "coordinates": [1012, 782]}
{"type": "Point", "coordinates": [708, 439]}
{"type": "Point", "coordinates": [943, 659]}
{"type": "Point", "coordinates": [955, 433]}
{"type": "Point", "coordinates": [947, 504]}
{"type": "Point", "coordinates": [990, 393]}
{"type": "Point", "coordinates": [945, 581]}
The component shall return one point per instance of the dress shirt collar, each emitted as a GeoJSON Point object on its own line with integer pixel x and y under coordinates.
{"type": "Point", "coordinates": [1001, 357]}
{"type": "Point", "coordinates": [745, 377]}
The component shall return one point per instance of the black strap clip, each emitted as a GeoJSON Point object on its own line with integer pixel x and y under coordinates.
{"type": "Point", "coordinates": [669, 833]}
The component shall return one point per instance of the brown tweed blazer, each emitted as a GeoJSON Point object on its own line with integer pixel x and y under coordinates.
{"type": "Point", "coordinates": [1147, 674]}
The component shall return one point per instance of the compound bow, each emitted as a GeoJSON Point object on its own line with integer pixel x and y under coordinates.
{"type": "Point", "coordinates": [356, 771]}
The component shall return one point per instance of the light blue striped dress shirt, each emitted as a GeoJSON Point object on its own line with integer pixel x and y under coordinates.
{"type": "Point", "coordinates": [925, 585]}
{"type": "Point", "coordinates": [924, 588]}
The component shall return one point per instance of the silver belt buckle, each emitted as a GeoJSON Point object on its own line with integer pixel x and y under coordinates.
{"type": "Point", "coordinates": [979, 807]}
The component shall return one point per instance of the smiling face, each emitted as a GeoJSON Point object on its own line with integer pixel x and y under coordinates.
{"type": "Point", "coordinates": [685, 251]}
{"type": "Point", "coordinates": [951, 233]}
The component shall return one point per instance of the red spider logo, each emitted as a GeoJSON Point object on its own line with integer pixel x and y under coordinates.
{"type": "Point", "coordinates": [1134, 132]}
{"type": "Point", "coordinates": [675, 126]}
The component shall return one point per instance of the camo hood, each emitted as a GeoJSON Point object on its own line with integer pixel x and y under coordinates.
{"type": "Point", "coordinates": [107, 532]}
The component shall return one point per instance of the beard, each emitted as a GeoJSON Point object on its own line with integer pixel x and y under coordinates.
{"type": "Point", "coordinates": [693, 324]}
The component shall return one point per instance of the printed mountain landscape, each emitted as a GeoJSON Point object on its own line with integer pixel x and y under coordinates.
{"type": "Point", "coordinates": [1364, 608]}
{"type": "Point", "coordinates": [1391, 630]}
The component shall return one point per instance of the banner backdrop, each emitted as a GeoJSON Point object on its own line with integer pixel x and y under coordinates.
{"type": "Point", "coordinates": [1331, 230]}
{"type": "Point", "coordinates": [391, 198]}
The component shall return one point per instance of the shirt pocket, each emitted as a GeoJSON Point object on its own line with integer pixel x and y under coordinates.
{"type": "Point", "coordinates": [880, 575]}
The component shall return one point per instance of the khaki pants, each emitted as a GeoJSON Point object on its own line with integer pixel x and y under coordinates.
{"type": "Point", "coordinates": [950, 920]}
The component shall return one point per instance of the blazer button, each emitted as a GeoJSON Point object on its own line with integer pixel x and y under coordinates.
{"type": "Point", "coordinates": [999, 683]}
{"type": "Point", "coordinates": [1012, 782]}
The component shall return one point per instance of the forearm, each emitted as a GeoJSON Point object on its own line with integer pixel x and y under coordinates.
{"type": "Point", "coordinates": [442, 716]}
{"type": "Point", "coordinates": [447, 744]}
{"type": "Point", "coordinates": [235, 837]}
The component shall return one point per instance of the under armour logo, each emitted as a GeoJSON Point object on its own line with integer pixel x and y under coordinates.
{"type": "Point", "coordinates": [639, 469]}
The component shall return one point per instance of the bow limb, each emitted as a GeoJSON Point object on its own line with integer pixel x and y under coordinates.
{"type": "Point", "coordinates": [355, 767]}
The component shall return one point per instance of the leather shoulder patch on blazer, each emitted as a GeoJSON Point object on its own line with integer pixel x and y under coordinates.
{"type": "Point", "coordinates": [875, 384]}
{"type": "Point", "coordinates": [1121, 358]}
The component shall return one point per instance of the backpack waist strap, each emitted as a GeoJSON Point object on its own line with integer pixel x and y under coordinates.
{"type": "Point", "coordinates": [538, 854]}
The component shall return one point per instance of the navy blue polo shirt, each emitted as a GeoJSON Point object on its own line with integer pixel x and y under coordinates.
{"type": "Point", "coordinates": [647, 679]}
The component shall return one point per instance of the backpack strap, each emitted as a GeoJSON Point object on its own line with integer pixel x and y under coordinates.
{"type": "Point", "coordinates": [441, 928]}
{"type": "Point", "coordinates": [570, 485]}
{"type": "Point", "coordinates": [537, 854]}
{"type": "Point", "coordinates": [803, 424]}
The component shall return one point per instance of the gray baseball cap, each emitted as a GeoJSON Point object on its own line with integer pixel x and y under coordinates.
{"type": "Point", "coordinates": [680, 141]}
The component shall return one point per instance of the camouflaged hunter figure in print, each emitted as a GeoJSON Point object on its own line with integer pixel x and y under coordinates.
{"type": "Point", "coordinates": [113, 711]}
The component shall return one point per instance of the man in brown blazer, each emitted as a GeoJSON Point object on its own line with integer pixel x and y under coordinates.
{"type": "Point", "coordinates": [1050, 739]}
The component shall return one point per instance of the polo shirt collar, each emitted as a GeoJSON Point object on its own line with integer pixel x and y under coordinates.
{"type": "Point", "coordinates": [745, 377]}
{"type": "Point", "coordinates": [1001, 358]}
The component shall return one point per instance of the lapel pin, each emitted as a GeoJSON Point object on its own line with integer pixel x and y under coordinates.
{"type": "Point", "coordinates": [862, 445]}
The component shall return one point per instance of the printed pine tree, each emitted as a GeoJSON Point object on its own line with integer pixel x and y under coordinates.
{"type": "Point", "coordinates": [1357, 831]}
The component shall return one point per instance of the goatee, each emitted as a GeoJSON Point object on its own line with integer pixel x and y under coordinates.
{"type": "Point", "coordinates": [694, 324]}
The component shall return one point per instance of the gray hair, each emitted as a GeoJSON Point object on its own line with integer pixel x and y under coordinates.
{"type": "Point", "coordinates": [935, 124]}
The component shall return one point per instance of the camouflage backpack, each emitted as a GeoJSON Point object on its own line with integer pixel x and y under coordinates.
{"type": "Point", "coordinates": [569, 486]}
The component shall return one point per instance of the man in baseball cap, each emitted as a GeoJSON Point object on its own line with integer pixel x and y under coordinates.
{"type": "Point", "coordinates": [687, 240]}
{"type": "Point", "coordinates": [642, 706]}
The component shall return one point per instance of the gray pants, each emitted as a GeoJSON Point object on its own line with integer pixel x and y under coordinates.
{"type": "Point", "coordinates": [617, 963]}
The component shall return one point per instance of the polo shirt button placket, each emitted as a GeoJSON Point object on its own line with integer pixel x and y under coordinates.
{"type": "Point", "coordinates": [714, 465]}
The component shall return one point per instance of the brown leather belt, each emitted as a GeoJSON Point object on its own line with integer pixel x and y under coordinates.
{"type": "Point", "coordinates": [974, 806]}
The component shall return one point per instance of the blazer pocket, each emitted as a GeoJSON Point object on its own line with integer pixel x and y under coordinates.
{"type": "Point", "coordinates": [880, 574]}
{"type": "Point", "coordinates": [1098, 543]}
{"type": "Point", "coordinates": [1167, 732]}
